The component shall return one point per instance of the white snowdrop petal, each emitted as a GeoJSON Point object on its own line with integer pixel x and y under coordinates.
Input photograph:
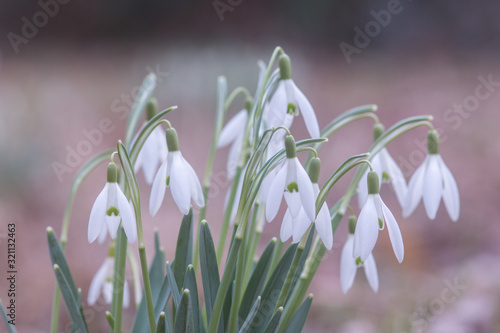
{"type": "Point", "coordinates": [367, 228]}
{"type": "Point", "coordinates": [158, 190]}
{"type": "Point", "coordinates": [196, 190]}
{"type": "Point", "coordinates": [97, 214]}
{"type": "Point", "coordinates": [126, 295]}
{"type": "Point", "coordinates": [286, 227]}
{"type": "Point", "coordinates": [293, 203]}
{"type": "Point", "coordinates": [128, 217]}
{"type": "Point", "coordinates": [266, 183]}
{"type": "Point", "coordinates": [307, 113]}
{"type": "Point", "coordinates": [362, 190]}
{"type": "Point", "coordinates": [324, 226]}
{"type": "Point", "coordinates": [107, 291]}
{"type": "Point", "coordinates": [415, 189]}
{"type": "Point", "coordinates": [233, 157]}
{"type": "Point", "coordinates": [277, 107]}
{"type": "Point", "coordinates": [97, 284]}
{"type": "Point", "coordinates": [371, 272]}
{"type": "Point", "coordinates": [179, 183]}
{"type": "Point", "coordinates": [233, 129]}
{"type": "Point", "coordinates": [275, 194]}
{"type": "Point", "coordinates": [396, 177]}
{"type": "Point", "coordinates": [348, 266]}
{"type": "Point", "coordinates": [300, 225]}
{"type": "Point", "coordinates": [112, 222]}
{"type": "Point", "coordinates": [433, 187]}
{"type": "Point", "coordinates": [394, 233]}
{"type": "Point", "coordinates": [451, 197]}
{"type": "Point", "coordinates": [102, 235]}
{"type": "Point", "coordinates": [306, 192]}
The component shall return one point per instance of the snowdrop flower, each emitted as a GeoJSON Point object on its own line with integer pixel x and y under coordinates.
{"type": "Point", "coordinates": [349, 265]}
{"type": "Point", "coordinates": [233, 132]}
{"type": "Point", "coordinates": [372, 217]}
{"type": "Point", "coordinates": [103, 283]}
{"type": "Point", "coordinates": [288, 100]}
{"type": "Point", "coordinates": [386, 169]}
{"type": "Point", "coordinates": [294, 184]}
{"type": "Point", "coordinates": [433, 180]}
{"type": "Point", "coordinates": [178, 174]}
{"type": "Point", "coordinates": [111, 207]}
{"type": "Point", "coordinates": [154, 151]}
{"type": "Point", "coordinates": [298, 226]}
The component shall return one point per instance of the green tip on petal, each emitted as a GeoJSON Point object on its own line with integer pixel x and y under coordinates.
{"type": "Point", "coordinates": [378, 130]}
{"type": "Point", "coordinates": [433, 142]}
{"type": "Point", "coordinates": [291, 149]}
{"type": "Point", "coordinates": [380, 224]}
{"type": "Point", "coordinates": [314, 168]}
{"type": "Point", "coordinates": [285, 67]}
{"type": "Point", "coordinates": [358, 261]}
{"type": "Point", "coordinates": [292, 187]}
{"type": "Point", "coordinates": [373, 183]}
{"type": "Point", "coordinates": [291, 109]}
{"type": "Point", "coordinates": [112, 211]}
{"type": "Point", "coordinates": [111, 250]}
{"type": "Point", "coordinates": [248, 103]}
{"type": "Point", "coordinates": [172, 139]}
{"type": "Point", "coordinates": [352, 223]}
{"type": "Point", "coordinates": [112, 174]}
{"type": "Point", "coordinates": [151, 108]}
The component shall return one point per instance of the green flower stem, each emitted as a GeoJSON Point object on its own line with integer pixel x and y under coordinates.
{"type": "Point", "coordinates": [257, 225]}
{"type": "Point", "coordinates": [147, 287]}
{"type": "Point", "coordinates": [119, 279]}
{"type": "Point", "coordinates": [234, 94]}
{"type": "Point", "coordinates": [238, 288]}
{"type": "Point", "coordinates": [276, 257]}
{"type": "Point", "coordinates": [227, 215]}
{"type": "Point", "coordinates": [136, 278]}
{"type": "Point", "coordinates": [55, 307]}
{"type": "Point", "coordinates": [224, 285]}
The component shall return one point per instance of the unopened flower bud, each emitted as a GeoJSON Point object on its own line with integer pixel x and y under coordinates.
{"type": "Point", "coordinates": [285, 67]}
{"type": "Point", "coordinates": [433, 142]}
{"type": "Point", "coordinates": [291, 149]}
{"type": "Point", "coordinates": [172, 140]}
{"type": "Point", "coordinates": [373, 183]}
{"type": "Point", "coordinates": [112, 175]}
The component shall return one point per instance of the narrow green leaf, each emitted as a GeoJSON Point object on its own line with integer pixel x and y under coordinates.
{"type": "Point", "coordinates": [257, 279]}
{"type": "Point", "coordinates": [184, 316]}
{"type": "Point", "coordinates": [130, 176]}
{"type": "Point", "coordinates": [190, 284]}
{"type": "Point", "coordinates": [299, 319]}
{"type": "Point", "coordinates": [209, 269]}
{"type": "Point", "coordinates": [161, 325]}
{"type": "Point", "coordinates": [171, 280]}
{"type": "Point", "coordinates": [145, 92]}
{"type": "Point", "coordinates": [184, 249]}
{"type": "Point", "coordinates": [57, 257]}
{"type": "Point", "coordinates": [10, 328]}
{"type": "Point", "coordinates": [273, 287]}
{"type": "Point", "coordinates": [249, 321]}
{"type": "Point", "coordinates": [226, 306]}
{"type": "Point", "coordinates": [302, 261]}
{"type": "Point", "coordinates": [274, 322]}
{"type": "Point", "coordinates": [74, 309]}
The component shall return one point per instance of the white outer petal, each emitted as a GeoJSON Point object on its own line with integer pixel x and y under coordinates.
{"type": "Point", "coordinates": [233, 129]}
{"type": "Point", "coordinates": [180, 183]}
{"type": "Point", "coordinates": [97, 283]}
{"type": "Point", "coordinates": [366, 233]}
{"type": "Point", "coordinates": [396, 176]}
{"type": "Point", "coordinates": [233, 157]}
{"type": "Point", "coordinates": [362, 190]}
{"type": "Point", "coordinates": [433, 186]}
{"type": "Point", "coordinates": [451, 197]}
{"type": "Point", "coordinates": [196, 190]}
{"type": "Point", "coordinates": [348, 266]}
{"type": "Point", "coordinates": [102, 235]}
{"type": "Point", "coordinates": [306, 191]}
{"type": "Point", "coordinates": [371, 272]}
{"type": "Point", "coordinates": [286, 227]}
{"type": "Point", "coordinates": [158, 190]}
{"type": "Point", "coordinates": [275, 194]}
{"type": "Point", "coordinates": [300, 225]}
{"type": "Point", "coordinates": [107, 291]}
{"type": "Point", "coordinates": [97, 214]}
{"type": "Point", "coordinates": [128, 217]}
{"type": "Point", "coordinates": [394, 233]}
{"type": "Point", "coordinates": [126, 295]}
{"type": "Point", "coordinates": [277, 107]}
{"type": "Point", "coordinates": [307, 113]}
{"type": "Point", "coordinates": [324, 226]}
{"type": "Point", "coordinates": [415, 189]}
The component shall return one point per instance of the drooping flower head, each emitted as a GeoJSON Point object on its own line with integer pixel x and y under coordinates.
{"type": "Point", "coordinates": [102, 283]}
{"type": "Point", "coordinates": [154, 151]}
{"type": "Point", "coordinates": [178, 174]}
{"type": "Point", "coordinates": [294, 184]}
{"type": "Point", "coordinates": [110, 208]}
{"type": "Point", "coordinates": [387, 170]}
{"type": "Point", "coordinates": [373, 217]}
{"type": "Point", "coordinates": [433, 181]}
{"type": "Point", "coordinates": [288, 100]}
{"type": "Point", "coordinates": [349, 265]}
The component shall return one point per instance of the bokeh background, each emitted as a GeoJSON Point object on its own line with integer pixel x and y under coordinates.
{"type": "Point", "coordinates": [85, 59]}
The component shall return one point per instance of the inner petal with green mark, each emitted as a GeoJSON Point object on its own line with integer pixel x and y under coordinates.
{"type": "Point", "coordinates": [380, 224]}
{"type": "Point", "coordinates": [291, 109]}
{"type": "Point", "coordinates": [292, 187]}
{"type": "Point", "coordinates": [385, 177]}
{"type": "Point", "coordinates": [112, 211]}
{"type": "Point", "coordinates": [168, 181]}
{"type": "Point", "coordinates": [358, 261]}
